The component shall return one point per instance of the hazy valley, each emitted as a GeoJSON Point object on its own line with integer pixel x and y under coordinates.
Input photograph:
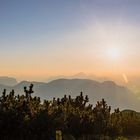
{"type": "Point", "coordinates": [115, 95]}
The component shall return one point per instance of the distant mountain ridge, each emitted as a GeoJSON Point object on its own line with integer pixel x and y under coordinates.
{"type": "Point", "coordinates": [115, 95]}
{"type": "Point", "coordinates": [9, 81]}
{"type": "Point", "coordinates": [80, 75]}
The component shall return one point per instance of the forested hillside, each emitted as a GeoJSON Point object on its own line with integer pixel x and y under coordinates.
{"type": "Point", "coordinates": [24, 117]}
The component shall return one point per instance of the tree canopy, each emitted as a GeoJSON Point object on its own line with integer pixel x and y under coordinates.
{"type": "Point", "coordinates": [24, 117]}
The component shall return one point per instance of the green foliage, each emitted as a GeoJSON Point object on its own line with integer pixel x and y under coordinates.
{"type": "Point", "coordinates": [26, 117]}
{"type": "Point", "coordinates": [121, 138]}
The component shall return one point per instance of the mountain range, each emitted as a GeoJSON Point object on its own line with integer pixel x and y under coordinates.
{"type": "Point", "coordinates": [9, 81]}
{"type": "Point", "coordinates": [115, 95]}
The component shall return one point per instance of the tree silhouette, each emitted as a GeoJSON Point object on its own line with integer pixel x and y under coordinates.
{"type": "Point", "coordinates": [24, 117]}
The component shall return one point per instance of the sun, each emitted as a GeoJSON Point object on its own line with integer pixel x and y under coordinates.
{"type": "Point", "coordinates": [113, 53]}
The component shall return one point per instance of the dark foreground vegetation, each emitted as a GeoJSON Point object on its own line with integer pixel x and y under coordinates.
{"type": "Point", "coordinates": [24, 117]}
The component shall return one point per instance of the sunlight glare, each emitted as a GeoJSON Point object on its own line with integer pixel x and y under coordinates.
{"type": "Point", "coordinates": [113, 53]}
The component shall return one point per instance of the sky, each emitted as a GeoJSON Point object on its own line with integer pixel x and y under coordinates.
{"type": "Point", "coordinates": [42, 38]}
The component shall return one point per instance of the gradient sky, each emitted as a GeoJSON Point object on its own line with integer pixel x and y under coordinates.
{"type": "Point", "coordinates": [41, 38]}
